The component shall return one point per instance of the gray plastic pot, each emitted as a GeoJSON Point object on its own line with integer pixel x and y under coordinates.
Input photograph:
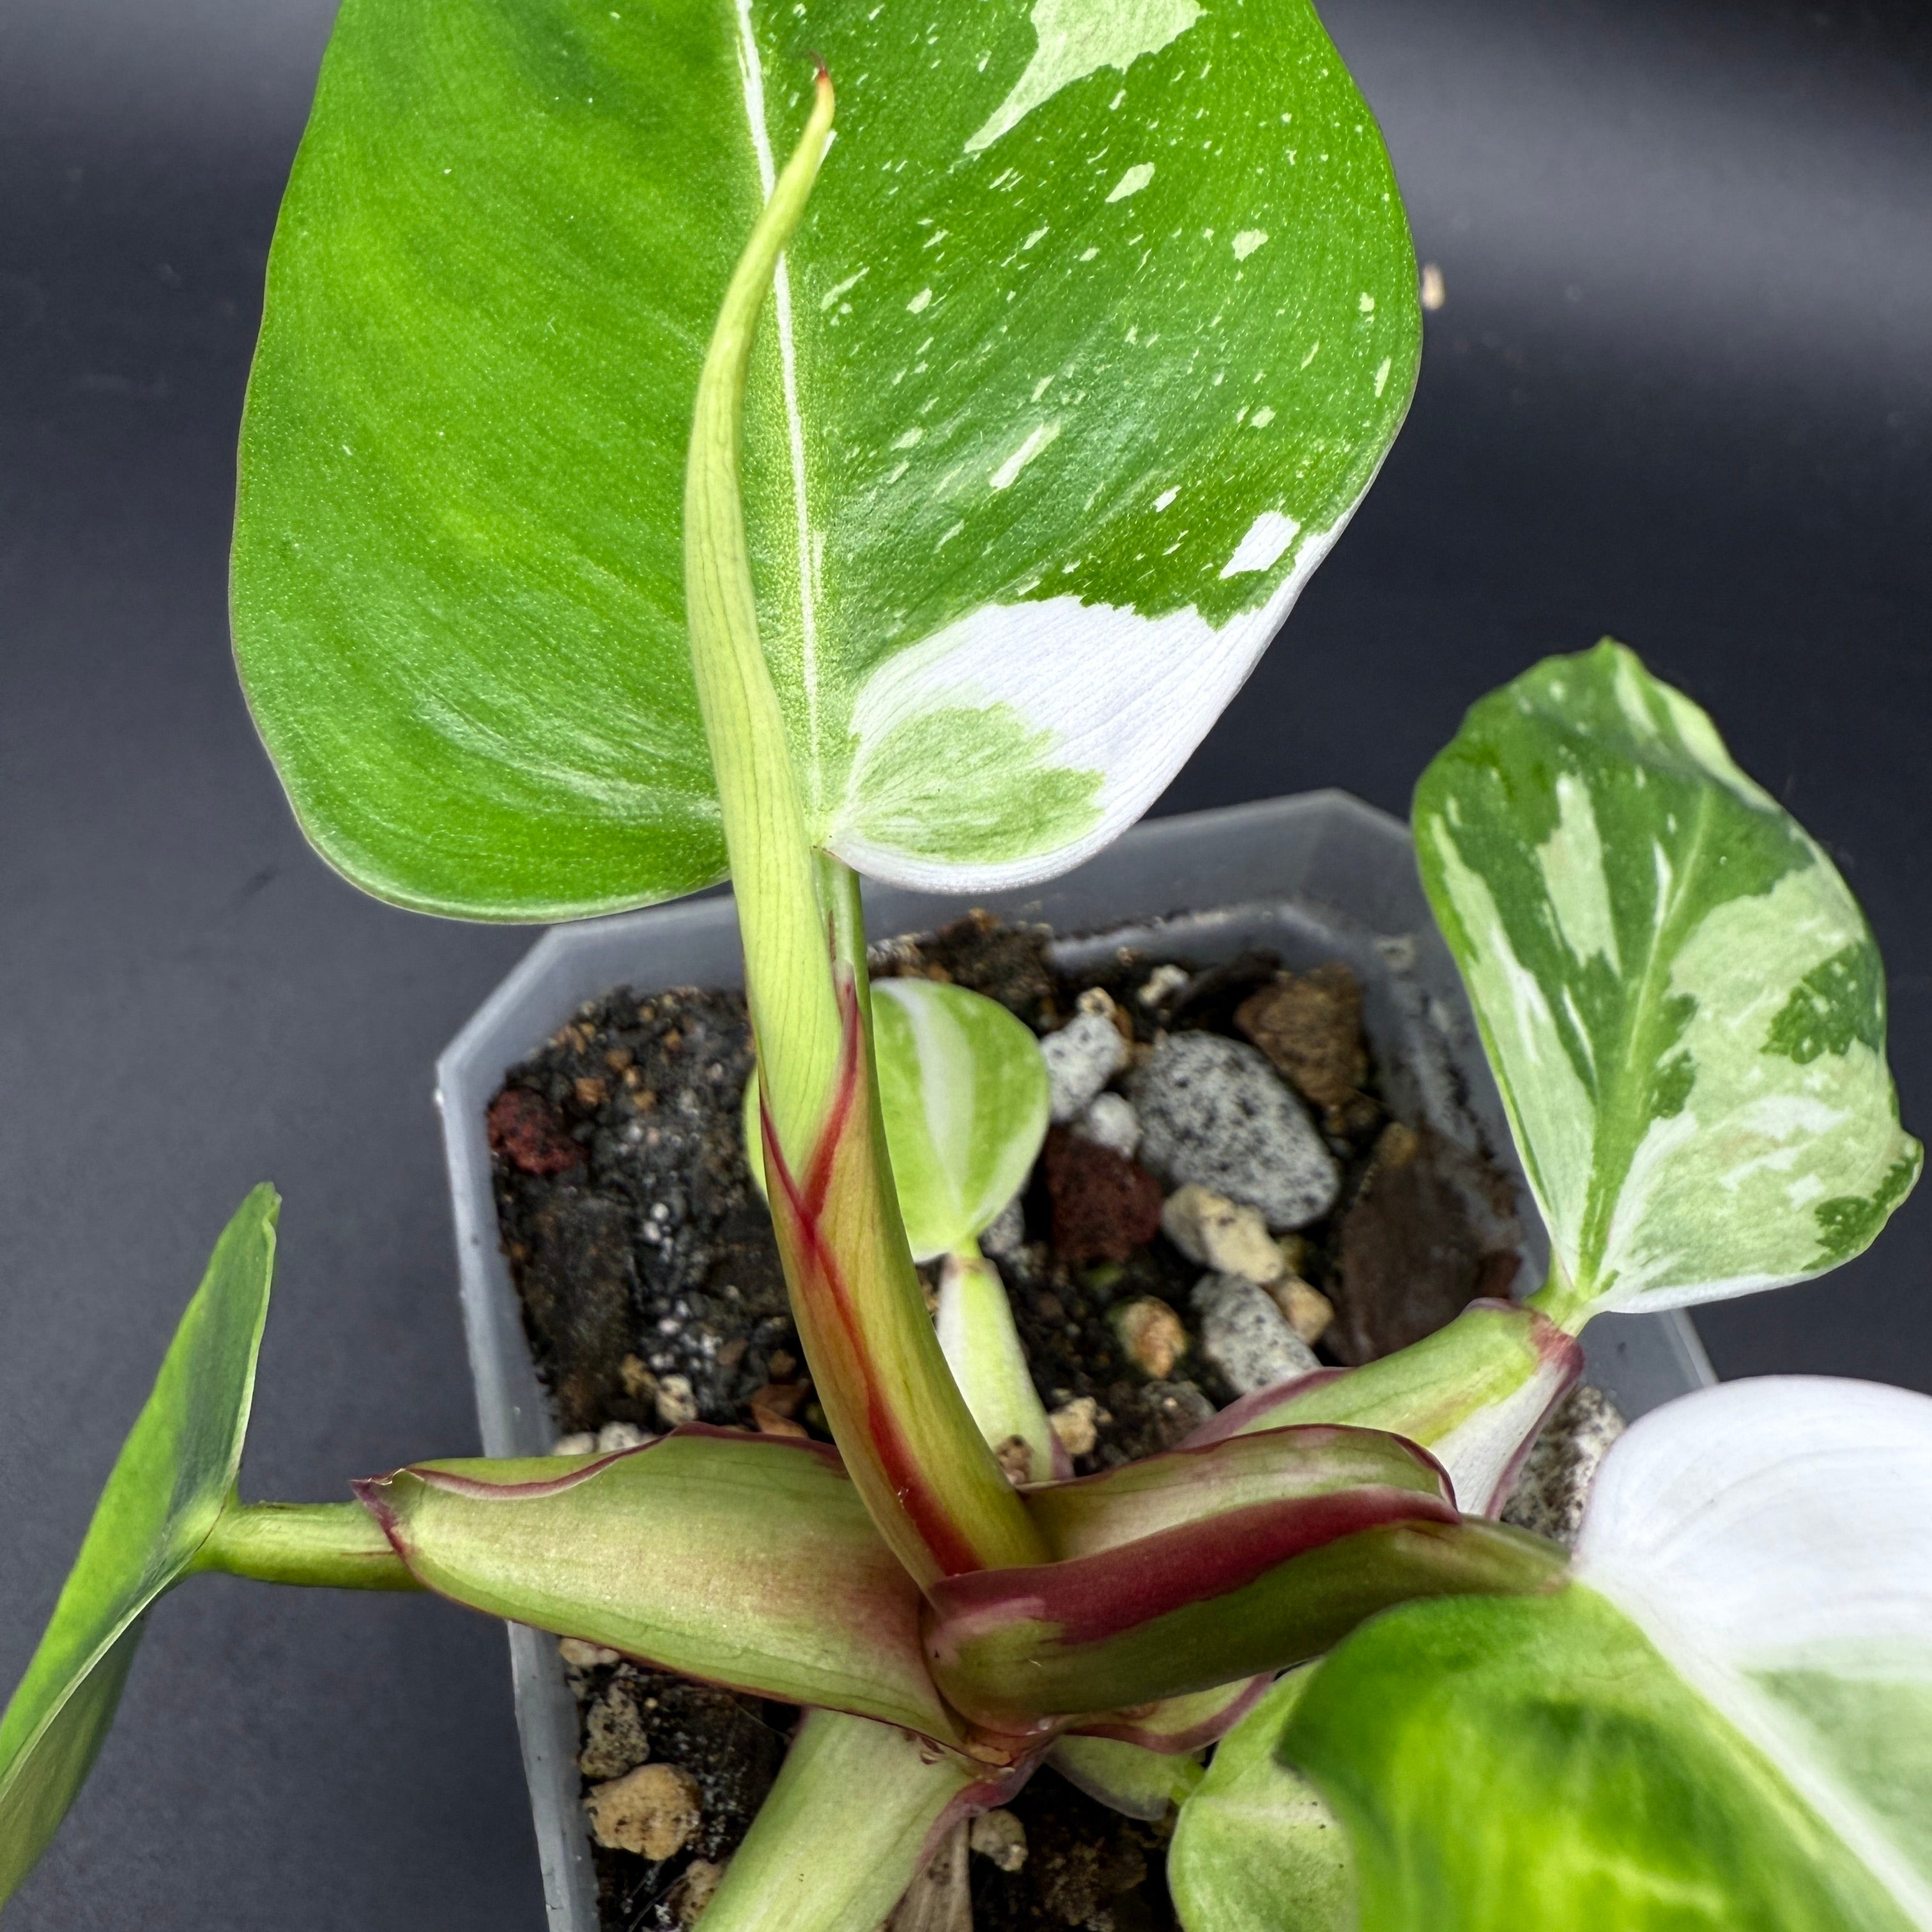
{"type": "Point", "coordinates": [1318, 877]}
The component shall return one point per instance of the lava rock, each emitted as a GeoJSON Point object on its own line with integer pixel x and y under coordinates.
{"type": "Point", "coordinates": [1081, 1058]}
{"type": "Point", "coordinates": [1433, 1229]}
{"type": "Point", "coordinates": [1213, 1112]}
{"type": "Point", "coordinates": [1104, 1206]}
{"type": "Point", "coordinates": [1245, 1335]}
{"type": "Point", "coordinates": [527, 1131]}
{"type": "Point", "coordinates": [1309, 1025]}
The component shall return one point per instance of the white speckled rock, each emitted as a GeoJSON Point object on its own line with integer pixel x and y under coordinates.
{"type": "Point", "coordinates": [1245, 1335]}
{"type": "Point", "coordinates": [1213, 1112]}
{"type": "Point", "coordinates": [1081, 1058]}
{"type": "Point", "coordinates": [1111, 1122]}
{"type": "Point", "coordinates": [1550, 1494]}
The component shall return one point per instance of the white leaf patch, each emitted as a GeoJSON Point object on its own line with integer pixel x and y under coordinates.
{"type": "Point", "coordinates": [1773, 1538]}
{"type": "Point", "coordinates": [1078, 37]}
{"type": "Point", "coordinates": [1091, 689]}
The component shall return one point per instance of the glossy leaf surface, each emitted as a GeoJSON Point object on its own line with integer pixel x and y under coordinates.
{"type": "Point", "coordinates": [1095, 332]}
{"type": "Point", "coordinates": [163, 1496]}
{"type": "Point", "coordinates": [747, 1560]}
{"type": "Point", "coordinates": [1722, 1723]}
{"type": "Point", "coordinates": [1683, 1003]}
{"type": "Point", "coordinates": [963, 1086]}
{"type": "Point", "coordinates": [1255, 1848]}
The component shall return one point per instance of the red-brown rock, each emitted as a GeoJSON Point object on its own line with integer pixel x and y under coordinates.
{"type": "Point", "coordinates": [527, 1131]}
{"type": "Point", "coordinates": [1105, 1206]}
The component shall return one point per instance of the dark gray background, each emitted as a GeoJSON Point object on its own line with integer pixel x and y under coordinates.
{"type": "Point", "coordinates": [1681, 391]}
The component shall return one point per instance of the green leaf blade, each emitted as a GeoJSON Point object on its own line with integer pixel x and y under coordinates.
{"type": "Point", "coordinates": [1044, 433]}
{"type": "Point", "coordinates": [1722, 1722]}
{"type": "Point", "coordinates": [1504, 1763]}
{"type": "Point", "coordinates": [1255, 1848]}
{"type": "Point", "coordinates": [162, 1497]}
{"type": "Point", "coordinates": [1679, 995]}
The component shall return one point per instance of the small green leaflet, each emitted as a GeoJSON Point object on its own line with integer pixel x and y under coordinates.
{"type": "Point", "coordinates": [1725, 1721]}
{"type": "Point", "coordinates": [1683, 1003]}
{"type": "Point", "coordinates": [1100, 321]}
{"type": "Point", "coordinates": [167, 1487]}
{"type": "Point", "coordinates": [1256, 1849]}
{"type": "Point", "coordinates": [963, 1087]}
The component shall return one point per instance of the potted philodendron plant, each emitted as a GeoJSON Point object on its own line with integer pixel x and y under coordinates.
{"type": "Point", "coordinates": [1100, 321]}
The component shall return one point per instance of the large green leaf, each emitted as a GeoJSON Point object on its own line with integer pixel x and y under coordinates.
{"type": "Point", "coordinates": [1683, 1003]}
{"type": "Point", "coordinates": [1726, 1722]}
{"type": "Point", "coordinates": [1255, 1848]}
{"type": "Point", "coordinates": [167, 1487]}
{"type": "Point", "coordinates": [1100, 321]}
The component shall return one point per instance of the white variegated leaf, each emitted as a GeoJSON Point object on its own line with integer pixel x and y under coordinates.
{"type": "Point", "coordinates": [1683, 1003]}
{"type": "Point", "coordinates": [1723, 1721]}
{"type": "Point", "coordinates": [1098, 324]}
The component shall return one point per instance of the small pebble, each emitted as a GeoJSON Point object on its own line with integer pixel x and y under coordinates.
{"type": "Point", "coordinates": [998, 1835]}
{"type": "Point", "coordinates": [1550, 1494]}
{"type": "Point", "coordinates": [615, 1435]}
{"type": "Point", "coordinates": [1005, 1232]}
{"type": "Point", "coordinates": [1309, 1311]}
{"type": "Point", "coordinates": [1213, 1111]}
{"type": "Point", "coordinates": [1074, 1425]}
{"type": "Point", "coordinates": [615, 1740]}
{"type": "Point", "coordinates": [582, 1443]}
{"type": "Point", "coordinates": [693, 1891]}
{"type": "Point", "coordinates": [1110, 1121]}
{"type": "Point", "coordinates": [1151, 1333]}
{"type": "Point", "coordinates": [652, 1811]}
{"type": "Point", "coordinates": [1081, 1058]}
{"type": "Point", "coordinates": [582, 1656]}
{"type": "Point", "coordinates": [676, 1404]}
{"type": "Point", "coordinates": [1162, 984]}
{"type": "Point", "coordinates": [1229, 1236]}
{"type": "Point", "coordinates": [1245, 1335]}
{"type": "Point", "coordinates": [639, 1384]}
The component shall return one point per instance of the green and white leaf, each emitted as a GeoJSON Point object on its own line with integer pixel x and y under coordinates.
{"type": "Point", "coordinates": [1256, 1849]}
{"type": "Point", "coordinates": [1683, 1003]}
{"type": "Point", "coordinates": [162, 1497]}
{"type": "Point", "coordinates": [1725, 1721]}
{"type": "Point", "coordinates": [963, 1087]}
{"type": "Point", "coordinates": [1101, 320]}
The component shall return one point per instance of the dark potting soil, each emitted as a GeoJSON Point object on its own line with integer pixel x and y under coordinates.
{"type": "Point", "coordinates": [651, 1294]}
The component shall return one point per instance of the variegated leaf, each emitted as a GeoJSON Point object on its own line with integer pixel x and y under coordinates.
{"type": "Point", "coordinates": [1725, 1721]}
{"type": "Point", "coordinates": [1101, 320]}
{"type": "Point", "coordinates": [1255, 1848]}
{"type": "Point", "coordinates": [1682, 1002]}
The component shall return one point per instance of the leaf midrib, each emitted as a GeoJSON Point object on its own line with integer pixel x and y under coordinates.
{"type": "Point", "coordinates": [1631, 1079]}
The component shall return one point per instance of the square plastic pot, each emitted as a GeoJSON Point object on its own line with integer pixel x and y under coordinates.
{"type": "Point", "coordinates": [1318, 877]}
